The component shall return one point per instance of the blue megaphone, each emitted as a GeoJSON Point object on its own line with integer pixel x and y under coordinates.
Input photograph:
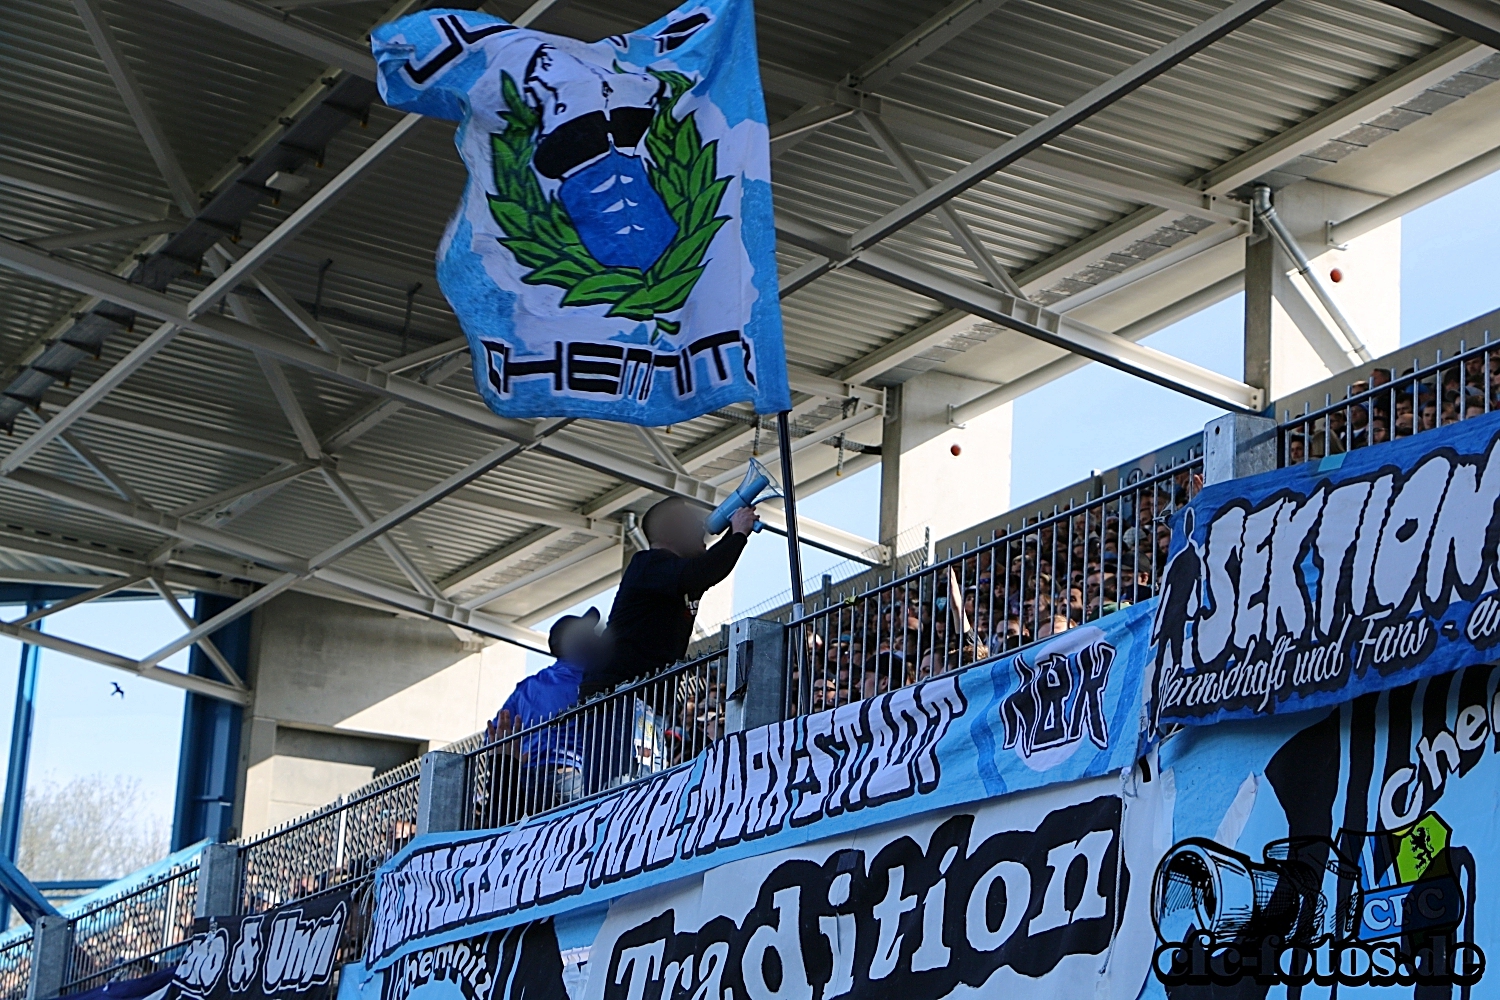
{"type": "Point", "coordinates": [744, 496]}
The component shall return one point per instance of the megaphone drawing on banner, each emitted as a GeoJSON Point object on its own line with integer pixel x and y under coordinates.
{"type": "Point", "coordinates": [747, 494]}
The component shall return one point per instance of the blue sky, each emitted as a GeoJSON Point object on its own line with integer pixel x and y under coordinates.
{"type": "Point", "coordinates": [1448, 269]}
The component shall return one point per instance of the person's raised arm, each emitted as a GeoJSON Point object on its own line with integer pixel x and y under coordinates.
{"type": "Point", "coordinates": [715, 565]}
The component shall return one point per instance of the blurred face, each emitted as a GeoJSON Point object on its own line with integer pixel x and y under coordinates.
{"type": "Point", "coordinates": [583, 643]}
{"type": "Point", "coordinates": [682, 531]}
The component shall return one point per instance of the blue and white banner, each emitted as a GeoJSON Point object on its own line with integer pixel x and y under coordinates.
{"type": "Point", "coordinates": [1063, 710]}
{"type": "Point", "coordinates": [614, 252]}
{"type": "Point", "coordinates": [1037, 896]}
{"type": "Point", "coordinates": [1349, 854]}
{"type": "Point", "coordinates": [1311, 585]}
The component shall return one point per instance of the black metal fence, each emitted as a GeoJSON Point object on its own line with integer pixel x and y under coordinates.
{"type": "Point", "coordinates": [1386, 406]}
{"type": "Point", "coordinates": [639, 729]}
{"type": "Point", "coordinates": [15, 968]}
{"type": "Point", "coordinates": [1030, 582]}
{"type": "Point", "coordinates": [133, 933]}
{"type": "Point", "coordinates": [342, 843]}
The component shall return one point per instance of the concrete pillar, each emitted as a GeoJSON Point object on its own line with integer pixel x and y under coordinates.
{"type": "Point", "coordinates": [1290, 340]}
{"type": "Point", "coordinates": [923, 483]}
{"type": "Point", "coordinates": [757, 674]}
{"type": "Point", "coordinates": [52, 947]}
{"type": "Point", "coordinates": [345, 693]}
{"type": "Point", "coordinates": [218, 881]}
{"type": "Point", "coordinates": [1237, 445]}
{"type": "Point", "coordinates": [440, 792]}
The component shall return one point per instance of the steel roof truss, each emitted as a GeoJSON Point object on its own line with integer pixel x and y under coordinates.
{"type": "Point", "coordinates": [393, 551]}
{"type": "Point", "coordinates": [1033, 321]}
{"type": "Point", "coordinates": [1121, 85]}
{"type": "Point", "coordinates": [205, 643]}
{"type": "Point", "coordinates": [916, 178]}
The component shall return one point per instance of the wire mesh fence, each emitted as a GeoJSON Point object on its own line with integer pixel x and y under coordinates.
{"type": "Point", "coordinates": [137, 932]}
{"type": "Point", "coordinates": [1386, 406]}
{"type": "Point", "coordinates": [15, 968]}
{"type": "Point", "coordinates": [639, 729]}
{"type": "Point", "coordinates": [1026, 584]}
{"type": "Point", "coordinates": [342, 843]}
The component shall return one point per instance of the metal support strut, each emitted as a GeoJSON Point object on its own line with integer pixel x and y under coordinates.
{"type": "Point", "coordinates": [789, 508]}
{"type": "Point", "coordinates": [1283, 236]}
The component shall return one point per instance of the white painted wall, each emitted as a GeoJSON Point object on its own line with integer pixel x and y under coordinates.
{"type": "Point", "coordinates": [922, 482]}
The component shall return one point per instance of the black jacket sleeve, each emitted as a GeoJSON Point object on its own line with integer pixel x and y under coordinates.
{"type": "Point", "coordinates": [713, 566]}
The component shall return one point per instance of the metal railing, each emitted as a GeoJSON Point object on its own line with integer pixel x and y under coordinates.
{"type": "Point", "coordinates": [342, 843]}
{"type": "Point", "coordinates": [1387, 406]}
{"type": "Point", "coordinates": [1026, 584]}
{"type": "Point", "coordinates": [15, 968]}
{"type": "Point", "coordinates": [137, 932]}
{"type": "Point", "coordinates": [636, 730]}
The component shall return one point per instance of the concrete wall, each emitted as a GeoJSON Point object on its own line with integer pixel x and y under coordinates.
{"type": "Point", "coordinates": [923, 483]}
{"type": "Point", "coordinates": [343, 693]}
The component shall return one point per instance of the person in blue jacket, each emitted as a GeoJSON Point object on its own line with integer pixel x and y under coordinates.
{"type": "Point", "coordinates": [551, 759]}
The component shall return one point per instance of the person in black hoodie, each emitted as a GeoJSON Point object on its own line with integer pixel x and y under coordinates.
{"type": "Point", "coordinates": [651, 622]}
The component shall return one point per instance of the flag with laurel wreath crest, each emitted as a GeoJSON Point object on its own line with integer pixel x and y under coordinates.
{"type": "Point", "coordinates": [613, 255]}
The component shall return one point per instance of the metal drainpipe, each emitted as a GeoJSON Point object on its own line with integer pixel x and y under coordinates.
{"type": "Point", "coordinates": [1267, 214]}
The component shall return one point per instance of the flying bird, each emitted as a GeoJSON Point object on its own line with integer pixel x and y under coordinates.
{"type": "Point", "coordinates": [117, 689]}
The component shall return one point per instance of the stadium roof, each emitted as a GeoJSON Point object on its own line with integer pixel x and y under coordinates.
{"type": "Point", "coordinates": [219, 379]}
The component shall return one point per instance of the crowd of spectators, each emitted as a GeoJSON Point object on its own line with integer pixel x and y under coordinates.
{"type": "Point", "coordinates": [1027, 585]}
{"type": "Point", "coordinates": [1383, 406]}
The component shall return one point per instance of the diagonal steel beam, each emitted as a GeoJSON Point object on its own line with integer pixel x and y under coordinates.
{"type": "Point", "coordinates": [97, 390]}
{"type": "Point", "coordinates": [476, 470]}
{"type": "Point", "coordinates": [72, 602]}
{"type": "Point", "coordinates": [286, 398]}
{"type": "Point", "coordinates": [232, 613]}
{"type": "Point", "coordinates": [1121, 85]}
{"type": "Point", "coordinates": [584, 552]}
{"type": "Point", "coordinates": [279, 476]}
{"type": "Point", "coordinates": [1033, 321]}
{"type": "Point", "coordinates": [659, 448]}
{"type": "Point", "coordinates": [226, 670]}
{"type": "Point", "coordinates": [107, 234]}
{"type": "Point", "coordinates": [101, 469]}
{"type": "Point", "coordinates": [300, 317]}
{"type": "Point", "coordinates": [913, 47]}
{"type": "Point", "coordinates": [306, 214]}
{"type": "Point", "coordinates": [145, 119]}
{"type": "Point", "coordinates": [916, 178]}
{"type": "Point", "coordinates": [1476, 19]}
{"type": "Point", "coordinates": [394, 552]}
{"type": "Point", "coordinates": [921, 42]}
{"type": "Point", "coordinates": [427, 355]}
{"type": "Point", "coordinates": [97, 465]}
{"type": "Point", "coordinates": [188, 682]}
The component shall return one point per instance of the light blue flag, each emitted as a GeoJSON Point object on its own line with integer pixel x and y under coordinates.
{"type": "Point", "coordinates": [614, 252]}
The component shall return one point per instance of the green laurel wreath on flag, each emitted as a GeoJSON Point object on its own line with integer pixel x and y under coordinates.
{"type": "Point", "coordinates": [538, 231]}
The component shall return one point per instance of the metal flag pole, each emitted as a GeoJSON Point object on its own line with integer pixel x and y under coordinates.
{"type": "Point", "coordinates": [789, 507]}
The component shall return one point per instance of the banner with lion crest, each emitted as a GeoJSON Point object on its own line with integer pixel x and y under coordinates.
{"type": "Point", "coordinates": [613, 255]}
